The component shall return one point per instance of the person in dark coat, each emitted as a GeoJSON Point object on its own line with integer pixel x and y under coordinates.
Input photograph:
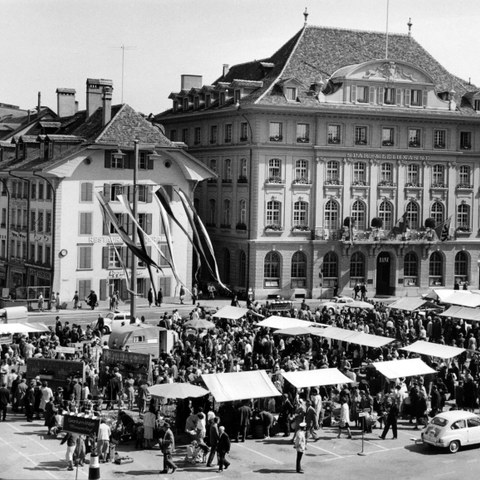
{"type": "Point", "coordinates": [214, 435]}
{"type": "Point", "coordinates": [168, 447]}
{"type": "Point", "coordinates": [150, 297]}
{"type": "Point", "coordinates": [4, 401]}
{"type": "Point", "coordinates": [92, 299]}
{"type": "Point", "coordinates": [29, 401]}
{"type": "Point", "coordinates": [286, 413]}
{"type": "Point", "coordinates": [244, 415]}
{"type": "Point", "coordinates": [159, 297]}
{"type": "Point", "coordinates": [223, 448]}
{"type": "Point", "coordinates": [390, 419]}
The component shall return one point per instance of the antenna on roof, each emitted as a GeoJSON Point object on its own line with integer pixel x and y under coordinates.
{"type": "Point", "coordinates": [305, 15]}
{"type": "Point", "coordinates": [124, 47]}
{"type": "Point", "coordinates": [386, 32]}
{"type": "Point", "coordinates": [409, 24]}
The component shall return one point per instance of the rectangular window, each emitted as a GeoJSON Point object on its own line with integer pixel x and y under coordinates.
{"type": "Point", "coordinates": [361, 135]}
{"type": "Point", "coordinates": [386, 174]}
{"type": "Point", "coordinates": [198, 135]}
{"type": "Point", "coordinates": [40, 222]}
{"type": "Point", "coordinates": [465, 140]}
{"type": "Point", "coordinates": [48, 222]}
{"type": "Point", "coordinates": [243, 131]}
{"type": "Point", "coordinates": [476, 105]}
{"type": "Point", "coordinates": [208, 100]}
{"type": "Point", "coordinates": [84, 287]}
{"type": "Point", "coordinates": [113, 260]}
{"type": "Point", "coordinates": [34, 191]}
{"type": "Point", "coordinates": [389, 96]}
{"type": "Point", "coordinates": [276, 131]}
{"type": "Point", "coordinates": [39, 252]}
{"type": "Point", "coordinates": [86, 192]}
{"type": "Point", "coordinates": [414, 139]}
{"type": "Point", "coordinates": [228, 133]}
{"type": "Point", "coordinates": [185, 135]}
{"type": "Point", "coordinates": [33, 220]}
{"type": "Point", "coordinates": [173, 135]}
{"type": "Point", "coordinates": [143, 160]}
{"type": "Point", "coordinates": [236, 96]}
{"type": "Point", "coordinates": [438, 175]}
{"type": "Point", "coordinates": [145, 221]}
{"type": "Point", "coordinates": [439, 137]}
{"type": "Point", "coordinates": [84, 257]}
{"type": "Point", "coordinates": [303, 132]}
{"type": "Point", "coordinates": [413, 178]}
{"type": "Point", "coordinates": [362, 94]}
{"type": "Point", "coordinates": [41, 190]}
{"type": "Point", "coordinates": [333, 173]}
{"type": "Point", "coordinates": [416, 98]}
{"type": "Point", "coordinates": [388, 137]}
{"type": "Point", "coordinates": [4, 218]}
{"type": "Point", "coordinates": [222, 98]}
{"type": "Point", "coordinates": [291, 94]}
{"type": "Point", "coordinates": [196, 103]}
{"type": "Point", "coordinates": [117, 160]}
{"type": "Point", "coordinates": [213, 134]}
{"type": "Point", "coordinates": [85, 227]}
{"type": "Point", "coordinates": [333, 134]}
{"type": "Point", "coordinates": [359, 172]}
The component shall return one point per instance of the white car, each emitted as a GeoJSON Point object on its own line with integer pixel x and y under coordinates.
{"type": "Point", "coordinates": [452, 430]}
{"type": "Point", "coordinates": [337, 303]}
{"type": "Point", "coordinates": [116, 320]}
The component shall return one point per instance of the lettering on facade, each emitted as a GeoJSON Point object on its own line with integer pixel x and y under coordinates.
{"type": "Point", "coordinates": [384, 260]}
{"type": "Point", "coordinates": [388, 156]}
{"type": "Point", "coordinates": [110, 240]}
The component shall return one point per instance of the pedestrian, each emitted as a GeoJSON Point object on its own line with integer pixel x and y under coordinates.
{"type": "Point", "coordinates": [223, 449]}
{"type": "Point", "coordinates": [103, 440]}
{"type": "Point", "coordinates": [150, 297]}
{"type": "Point", "coordinates": [300, 444]}
{"type": "Point", "coordinates": [244, 415]}
{"type": "Point", "coordinates": [168, 447]}
{"type": "Point", "coordinates": [344, 418]}
{"type": "Point", "coordinates": [4, 401]}
{"type": "Point", "coordinates": [57, 302]}
{"type": "Point", "coordinates": [213, 439]}
{"type": "Point", "coordinates": [71, 440]}
{"type": "Point", "coordinates": [41, 303]}
{"type": "Point", "coordinates": [311, 418]}
{"type": "Point", "coordinates": [363, 292]}
{"type": "Point", "coordinates": [159, 297]}
{"type": "Point", "coordinates": [356, 291]}
{"type": "Point", "coordinates": [194, 294]}
{"type": "Point", "coordinates": [181, 294]}
{"type": "Point", "coordinates": [149, 422]}
{"type": "Point", "coordinates": [92, 299]}
{"type": "Point", "coordinates": [75, 300]}
{"type": "Point", "coordinates": [211, 290]}
{"type": "Point", "coordinates": [390, 418]}
{"type": "Point", "coordinates": [235, 302]}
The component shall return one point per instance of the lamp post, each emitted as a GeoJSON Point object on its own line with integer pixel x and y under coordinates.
{"type": "Point", "coordinates": [133, 276]}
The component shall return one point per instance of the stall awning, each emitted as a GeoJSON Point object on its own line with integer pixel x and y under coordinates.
{"type": "Point", "coordinates": [11, 328]}
{"type": "Point", "coordinates": [464, 298]}
{"type": "Point", "coordinates": [462, 312]}
{"type": "Point", "coordinates": [231, 313]}
{"type": "Point", "coordinates": [316, 378]}
{"type": "Point", "coordinates": [227, 387]}
{"type": "Point", "coordinates": [283, 322]}
{"type": "Point", "coordinates": [403, 368]}
{"type": "Point", "coordinates": [408, 303]}
{"type": "Point", "coordinates": [433, 349]}
{"type": "Point", "coordinates": [351, 336]}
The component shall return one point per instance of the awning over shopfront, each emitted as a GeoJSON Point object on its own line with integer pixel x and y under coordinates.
{"type": "Point", "coordinates": [409, 303]}
{"type": "Point", "coordinates": [433, 349]}
{"type": "Point", "coordinates": [465, 313]}
{"type": "Point", "coordinates": [284, 322]}
{"type": "Point", "coordinates": [351, 336]}
{"type": "Point", "coordinates": [231, 313]}
{"type": "Point", "coordinates": [11, 328]}
{"type": "Point", "coordinates": [316, 378]}
{"type": "Point", "coordinates": [464, 298]}
{"type": "Point", "coordinates": [403, 368]}
{"type": "Point", "coordinates": [227, 387]}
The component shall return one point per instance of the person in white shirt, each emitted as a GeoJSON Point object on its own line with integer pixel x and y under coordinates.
{"type": "Point", "coordinates": [344, 419]}
{"type": "Point", "coordinates": [103, 440]}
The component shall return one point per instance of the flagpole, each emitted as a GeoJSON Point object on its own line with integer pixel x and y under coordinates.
{"type": "Point", "coordinates": [133, 277]}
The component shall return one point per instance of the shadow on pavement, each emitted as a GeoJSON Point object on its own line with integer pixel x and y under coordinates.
{"type": "Point", "coordinates": [138, 472]}
{"type": "Point", "coordinates": [57, 465]}
{"type": "Point", "coordinates": [275, 470]}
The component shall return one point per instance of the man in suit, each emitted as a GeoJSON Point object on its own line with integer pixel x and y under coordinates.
{"type": "Point", "coordinates": [223, 448]}
{"type": "Point", "coordinates": [168, 447]}
{"type": "Point", "coordinates": [244, 415]}
{"type": "Point", "coordinates": [214, 436]}
{"type": "Point", "coordinates": [4, 400]}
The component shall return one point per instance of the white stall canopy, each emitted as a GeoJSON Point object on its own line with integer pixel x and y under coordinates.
{"type": "Point", "coordinates": [352, 336]}
{"type": "Point", "coordinates": [231, 313]}
{"type": "Point", "coordinates": [464, 298]}
{"type": "Point", "coordinates": [466, 313]}
{"type": "Point", "coordinates": [403, 368]}
{"type": "Point", "coordinates": [227, 387]}
{"type": "Point", "coordinates": [316, 378]}
{"type": "Point", "coordinates": [409, 303]}
{"type": "Point", "coordinates": [284, 322]}
{"type": "Point", "coordinates": [433, 349]}
{"type": "Point", "coordinates": [11, 328]}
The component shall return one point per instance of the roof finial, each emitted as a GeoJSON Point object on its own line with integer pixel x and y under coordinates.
{"type": "Point", "coordinates": [409, 24]}
{"type": "Point", "coordinates": [305, 14]}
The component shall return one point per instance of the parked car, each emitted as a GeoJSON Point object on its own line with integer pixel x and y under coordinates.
{"type": "Point", "coordinates": [452, 430]}
{"type": "Point", "coordinates": [337, 303]}
{"type": "Point", "coordinates": [114, 320]}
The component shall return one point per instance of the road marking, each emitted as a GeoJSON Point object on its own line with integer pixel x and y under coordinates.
{"type": "Point", "coordinates": [13, 427]}
{"type": "Point", "coordinates": [25, 456]}
{"type": "Point", "coordinates": [261, 454]}
{"type": "Point", "coordinates": [376, 444]}
{"type": "Point", "coordinates": [323, 450]}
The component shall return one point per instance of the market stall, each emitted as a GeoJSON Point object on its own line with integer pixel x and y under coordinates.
{"type": "Point", "coordinates": [276, 322]}
{"type": "Point", "coordinates": [403, 368]}
{"type": "Point", "coordinates": [316, 378]}
{"type": "Point", "coordinates": [433, 349]}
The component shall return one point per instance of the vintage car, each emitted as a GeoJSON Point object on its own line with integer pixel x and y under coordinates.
{"type": "Point", "coordinates": [452, 430]}
{"type": "Point", "coordinates": [113, 320]}
{"type": "Point", "coordinates": [338, 303]}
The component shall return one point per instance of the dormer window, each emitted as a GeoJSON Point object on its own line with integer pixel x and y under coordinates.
{"type": "Point", "coordinates": [236, 96]}
{"type": "Point", "coordinates": [416, 98]}
{"type": "Point", "coordinates": [21, 150]}
{"type": "Point", "coordinates": [476, 105]}
{"type": "Point", "coordinates": [291, 94]}
{"type": "Point", "coordinates": [175, 105]}
{"type": "Point", "coordinates": [185, 104]}
{"type": "Point", "coordinates": [208, 100]}
{"type": "Point", "coordinates": [196, 103]}
{"type": "Point", "coordinates": [389, 96]}
{"type": "Point", "coordinates": [222, 98]}
{"type": "Point", "coordinates": [362, 94]}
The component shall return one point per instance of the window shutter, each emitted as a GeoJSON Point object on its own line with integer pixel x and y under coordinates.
{"type": "Point", "coordinates": [353, 93]}
{"type": "Point", "coordinates": [148, 194]}
{"type": "Point", "coordinates": [149, 162]}
{"type": "Point", "coordinates": [108, 158]}
{"type": "Point", "coordinates": [105, 257]}
{"type": "Point", "coordinates": [408, 95]}
{"type": "Point", "coordinates": [148, 223]}
{"type": "Point", "coordinates": [381, 93]}
{"type": "Point", "coordinates": [372, 95]}
{"type": "Point", "coordinates": [399, 96]}
{"type": "Point", "coordinates": [424, 98]}
{"type": "Point", "coordinates": [103, 289]}
{"type": "Point", "coordinates": [129, 191]}
{"type": "Point", "coordinates": [106, 227]}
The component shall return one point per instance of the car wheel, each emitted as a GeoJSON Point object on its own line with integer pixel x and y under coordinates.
{"type": "Point", "coordinates": [454, 446]}
{"type": "Point", "coordinates": [106, 330]}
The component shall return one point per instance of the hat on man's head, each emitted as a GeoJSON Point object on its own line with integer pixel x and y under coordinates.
{"type": "Point", "coordinates": [303, 425]}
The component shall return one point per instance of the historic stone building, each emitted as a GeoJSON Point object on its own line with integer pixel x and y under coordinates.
{"type": "Point", "coordinates": [337, 166]}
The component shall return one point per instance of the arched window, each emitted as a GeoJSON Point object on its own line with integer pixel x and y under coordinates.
{"type": "Point", "coordinates": [412, 216]}
{"type": "Point", "coordinates": [359, 215]}
{"type": "Point", "coordinates": [274, 170]}
{"type": "Point", "coordinates": [357, 268]}
{"type": "Point", "coordinates": [437, 212]}
{"type": "Point", "coordinates": [274, 213]}
{"type": "Point", "coordinates": [226, 214]}
{"type": "Point", "coordinates": [333, 172]}
{"type": "Point", "coordinates": [242, 269]}
{"type": "Point", "coordinates": [330, 269]}
{"type": "Point", "coordinates": [242, 212]}
{"type": "Point", "coordinates": [226, 265]}
{"type": "Point", "coordinates": [301, 171]}
{"type": "Point", "coordinates": [385, 212]}
{"type": "Point", "coordinates": [300, 214]}
{"type": "Point", "coordinates": [212, 212]}
{"type": "Point", "coordinates": [435, 269]}
{"type": "Point", "coordinates": [461, 267]}
{"type": "Point", "coordinates": [299, 270]}
{"type": "Point", "coordinates": [271, 270]}
{"type": "Point", "coordinates": [463, 217]}
{"type": "Point", "coordinates": [331, 215]}
{"type": "Point", "coordinates": [410, 270]}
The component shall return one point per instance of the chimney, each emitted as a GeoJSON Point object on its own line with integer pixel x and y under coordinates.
{"type": "Point", "coordinates": [107, 104]}
{"type": "Point", "coordinates": [95, 94]}
{"type": "Point", "coordinates": [191, 81]}
{"type": "Point", "coordinates": [39, 102]}
{"type": "Point", "coordinates": [226, 68]}
{"type": "Point", "coordinates": [66, 104]}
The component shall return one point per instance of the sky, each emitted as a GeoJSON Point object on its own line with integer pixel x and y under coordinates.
{"type": "Point", "coordinates": [60, 43]}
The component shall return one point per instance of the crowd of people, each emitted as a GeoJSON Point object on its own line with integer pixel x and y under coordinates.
{"type": "Point", "coordinates": [234, 346]}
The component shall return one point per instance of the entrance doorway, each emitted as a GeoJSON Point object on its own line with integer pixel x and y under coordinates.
{"type": "Point", "coordinates": [384, 262]}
